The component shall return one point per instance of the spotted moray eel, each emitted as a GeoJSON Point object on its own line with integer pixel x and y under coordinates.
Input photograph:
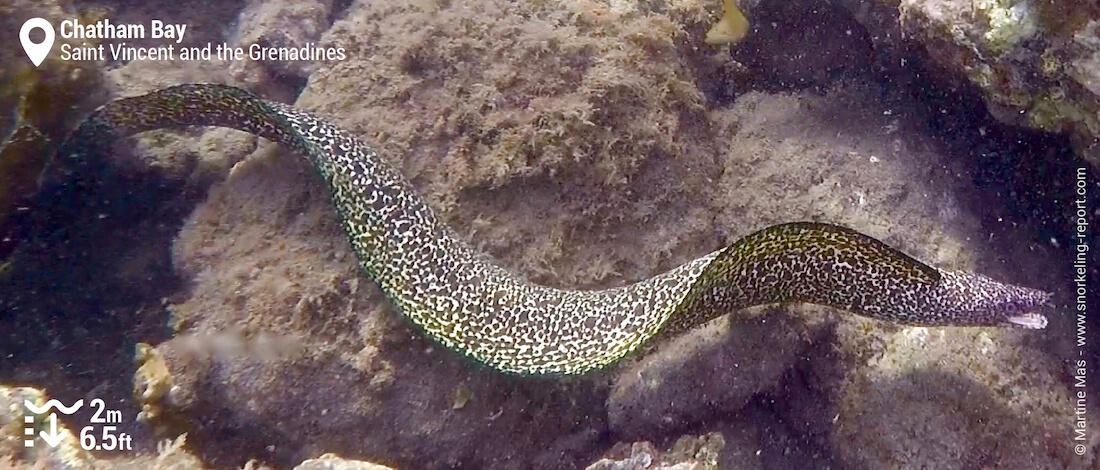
{"type": "Point", "coordinates": [481, 310]}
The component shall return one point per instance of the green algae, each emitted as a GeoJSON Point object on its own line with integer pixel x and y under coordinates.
{"type": "Point", "coordinates": [1009, 21]}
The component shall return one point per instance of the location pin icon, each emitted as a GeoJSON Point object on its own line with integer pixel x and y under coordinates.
{"type": "Point", "coordinates": [37, 52]}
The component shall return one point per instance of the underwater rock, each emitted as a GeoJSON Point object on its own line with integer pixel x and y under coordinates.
{"type": "Point", "coordinates": [283, 24]}
{"type": "Point", "coordinates": [38, 106]}
{"type": "Point", "coordinates": [1034, 61]}
{"type": "Point", "coordinates": [688, 453]}
{"type": "Point", "coordinates": [333, 462]}
{"type": "Point", "coordinates": [809, 44]}
{"type": "Point", "coordinates": [712, 370]}
{"type": "Point", "coordinates": [305, 400]}
{"type": "Point", "coordinates": [947, 399]}
{"type": "Point", "coordinates": [23, 156]}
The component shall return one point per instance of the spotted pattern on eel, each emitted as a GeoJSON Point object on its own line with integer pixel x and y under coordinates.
{"type": "Point", "coordinates": [477, 308]}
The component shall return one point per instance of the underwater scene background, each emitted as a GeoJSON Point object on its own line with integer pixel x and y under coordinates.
{"type": "Point", "coordinates": [209, 289]}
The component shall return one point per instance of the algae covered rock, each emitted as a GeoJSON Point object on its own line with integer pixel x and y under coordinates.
{"type": "Point", "coordinates": [1034, 61]}
{"type": "Point", "coordinates": [285, 24]}
{"type": "Point", "coordinates": [688, 453]}
{"type": "Point", "coordinates": [334, 462]}
{"type": "Point", "coordinates": [713, 370]}
{"type": "Point", "coordinates": [946, 399]}
{"type": "Point", "coordinates": [38, 106]}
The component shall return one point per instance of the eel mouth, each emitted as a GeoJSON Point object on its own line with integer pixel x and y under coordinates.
{"type": "Point", "coordinates": [1030, 320]}
{"type": "Point", "coordinates": [1029, 316]}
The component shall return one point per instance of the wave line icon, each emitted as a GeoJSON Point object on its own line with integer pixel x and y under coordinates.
{"type": "Point", "coordinates": [52, 404]}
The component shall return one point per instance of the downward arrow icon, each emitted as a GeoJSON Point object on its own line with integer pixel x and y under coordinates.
{"type": "Point", "coordinates": [54, 437]}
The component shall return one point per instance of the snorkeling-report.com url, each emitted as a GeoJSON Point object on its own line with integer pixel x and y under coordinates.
{"type": "Point", "coordinates": [1080, 302]}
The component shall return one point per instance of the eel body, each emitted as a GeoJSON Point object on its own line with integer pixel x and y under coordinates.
{"type": "Point", "coordinates": [477, 308]}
